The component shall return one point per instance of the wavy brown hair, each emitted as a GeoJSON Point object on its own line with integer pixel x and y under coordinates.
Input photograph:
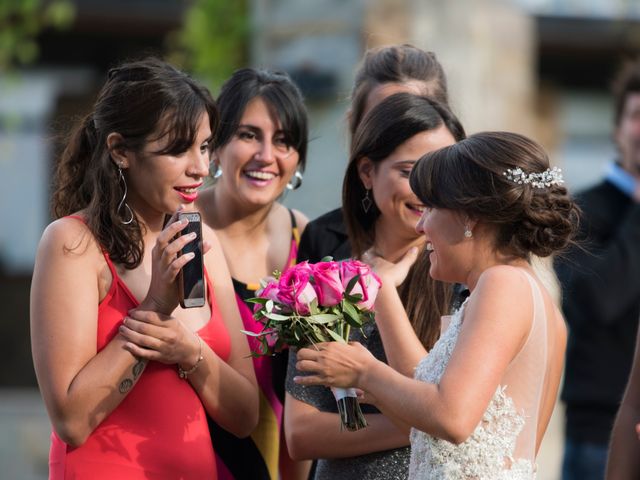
{"type": "Point", "coordinates": [388, 125]}
{"type": "Point", "coordinates": [142, 101]}
{"type": "Point", "coordinates": [396, 64]}
{"type": "Point", "coordinates": [469, 177]}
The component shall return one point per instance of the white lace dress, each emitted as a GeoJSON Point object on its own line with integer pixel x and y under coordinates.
{"type": "Point", "coordinates": [502, 447]}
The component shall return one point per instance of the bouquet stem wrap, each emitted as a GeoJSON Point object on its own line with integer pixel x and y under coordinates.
{"type": "Point", "coordinates": [351, 416]}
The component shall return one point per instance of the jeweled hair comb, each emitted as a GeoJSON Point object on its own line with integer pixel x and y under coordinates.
{"type": "Point", "coordinates": [551, 176]}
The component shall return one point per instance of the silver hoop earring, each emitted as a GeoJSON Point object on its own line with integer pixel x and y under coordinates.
{"type": "Point", "coordinates": [123, 202]}
{"type": "Point", "coordinates": [467, 232]}
{"type": "Point", "coordinates": [366, 201]}
{"type": "Point", "coordinates": [295, 181]}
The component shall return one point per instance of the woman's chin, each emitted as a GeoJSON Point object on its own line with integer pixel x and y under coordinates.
{"type": "Point", "coordinates": [435, 272]}
{"type": "Point", "coordinates": [261, 199]}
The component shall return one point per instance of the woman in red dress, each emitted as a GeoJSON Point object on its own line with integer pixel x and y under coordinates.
{"type": "Point", "coordinates": [128, 376]}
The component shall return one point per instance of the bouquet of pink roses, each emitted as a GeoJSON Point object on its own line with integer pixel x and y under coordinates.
{"type": "Point", "coordinates": [313, 303]}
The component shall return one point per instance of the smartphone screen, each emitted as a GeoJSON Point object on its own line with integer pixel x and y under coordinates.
{"type": "Point", "coordinates": [192, 286]}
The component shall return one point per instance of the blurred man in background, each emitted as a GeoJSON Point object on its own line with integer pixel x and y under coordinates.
{"type": "Point", "coordinates": [600, 277]}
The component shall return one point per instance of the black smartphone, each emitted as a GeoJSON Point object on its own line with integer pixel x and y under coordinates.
{"type": "Point", "coordinates": [191, 278]}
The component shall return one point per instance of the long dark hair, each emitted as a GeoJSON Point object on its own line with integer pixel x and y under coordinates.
{"type": "Point", "coordinates": [472, 177]}
{"type": "Point", "coordinates": [396, 64]}
{"type": "Point", "coordinates": [392, 122]}
{"type": "Point", "coordinates": [282, 97]}
{"type": "Point", "coordinates": [140, 100]}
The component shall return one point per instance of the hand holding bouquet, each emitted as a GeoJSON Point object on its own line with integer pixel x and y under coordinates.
{"type": "Point", "coordinates": [314, 303]}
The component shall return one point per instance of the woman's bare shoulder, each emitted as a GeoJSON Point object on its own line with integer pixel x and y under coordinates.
{"type": "Point", "coordinates": [503, 292]}
{"type": "Point", "coordinates": [69, 237]}
{"type": "Point", "coordinates": [504, 281]}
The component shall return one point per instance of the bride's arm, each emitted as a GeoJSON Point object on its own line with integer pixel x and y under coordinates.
{"type": "Point", "coordinates": [495, 327]}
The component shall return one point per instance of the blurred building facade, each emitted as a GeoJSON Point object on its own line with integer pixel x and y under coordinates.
{"type": "Point", "coordinates": [541, 67]}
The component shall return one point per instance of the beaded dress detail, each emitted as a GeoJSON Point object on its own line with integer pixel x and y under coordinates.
{"type": "Point", "coordinates": [502, 447]}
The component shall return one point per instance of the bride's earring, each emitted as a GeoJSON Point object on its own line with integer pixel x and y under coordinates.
{"type": "Point", "coordinates": [467, 232]}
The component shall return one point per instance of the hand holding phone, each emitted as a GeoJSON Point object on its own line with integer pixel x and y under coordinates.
{"type": "Point", "coordinates": [191, 284]}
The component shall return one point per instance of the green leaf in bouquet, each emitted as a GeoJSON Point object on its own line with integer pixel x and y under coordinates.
{"type": "Point", "coordinates": [323, 318]}
{"type": "Point", "coordinates": [254, 334]}
{"type": "Point", "coordinates": [336, 337]}
{"type": "Point", "coordinates": [351, 284]}
{"type": "Point", "coordinates": [263, 349]}
{"type": "Point", "coordinates": [351, 315]}
{"type": "Point", "coordinates": [313, 333]}
{"type": "Point", "coordinates": [313, 307]}
{"type": "Point", "coordinates": [342, 326]}
{"type": "Point", "coordinates": [309, 329]}
{"type": "Point", "coordinates": [318, 334]}
{"type": "Point", "coordinates": [353, 322]}
{"type": "Point", "coordinates": [276, 317]}
{"type": "Point", "coordinates": [328, 258]}
{"type": "Point", "coordinates": [260, 300]}
{"type": "Point", "coordinates": [269, 305]}
{"type": "Point", "coordinates": [355, 298]}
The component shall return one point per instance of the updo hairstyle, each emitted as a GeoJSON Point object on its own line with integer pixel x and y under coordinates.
{"type": "Point", "coordinates": [471, 177]}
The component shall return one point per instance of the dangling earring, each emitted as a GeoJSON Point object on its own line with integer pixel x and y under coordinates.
{"type": "Point", "coordinates": [366, 201]}
{"type": "Point", "coordinates": [295, 181]}
{"type": "Point", "coordinates": [467, 232]}
{"type": "Point", "coordinates": [124, 198]}
{"type": "Point", "coordinates": [218, 173]}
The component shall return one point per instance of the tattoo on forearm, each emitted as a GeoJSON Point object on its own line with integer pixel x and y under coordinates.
{"type": "Point", "coordinates": [138, 368]}
{"type": "Point", "coordinates": [127, 383]}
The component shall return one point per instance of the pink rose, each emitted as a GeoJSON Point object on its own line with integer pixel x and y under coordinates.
{"type": "Point", "coordinates": [295, 290]}
{"type": "Point", "coordinates": [270, 291]}
{"type": "Point", "coordinates": [302, 267]}
{"type": "Point", "coordinates": [327, 283]}
{"type": "Point", "coordinates": [367, 285]}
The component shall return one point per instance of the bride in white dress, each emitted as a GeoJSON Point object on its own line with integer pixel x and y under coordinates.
{"type": "Point", "coordinates": [480, 401]}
